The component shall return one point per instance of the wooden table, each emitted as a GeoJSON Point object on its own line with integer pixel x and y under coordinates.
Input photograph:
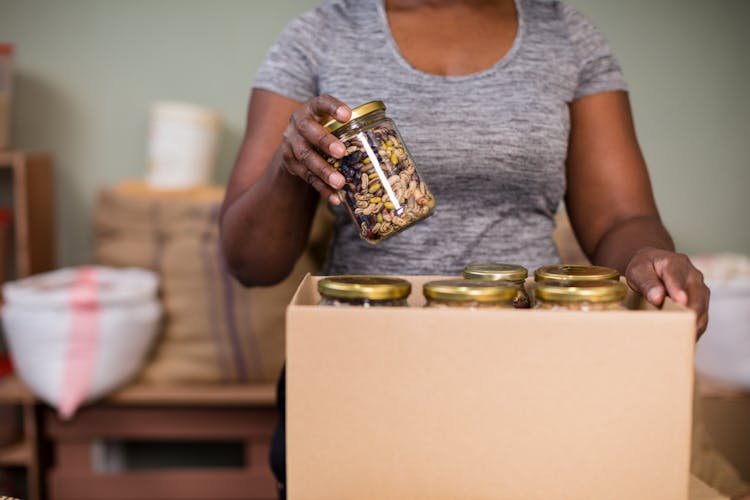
{"type": "Point", "coordinates": [241, 414]}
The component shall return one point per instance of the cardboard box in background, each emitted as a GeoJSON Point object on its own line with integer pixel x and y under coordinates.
{"type": "Point", "coordinates": [408, 403]}
{"type": "Point", "coordinates": [726, 415]}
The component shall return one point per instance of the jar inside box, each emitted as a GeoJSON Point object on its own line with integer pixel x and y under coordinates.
{"type": "Point", "coordinates": [469, 294]}
{"type": "Point", "coordinates": [605, 295]}
{"type": "Point", "coordinates": [364, 291]}
{"type": "Point", "coordinates": [511, 274]}
{"type": "Point", "coordinates": [574, 273]}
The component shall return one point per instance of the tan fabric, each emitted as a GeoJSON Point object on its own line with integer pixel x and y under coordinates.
{"type": "Point", "coordinates": [566, 242]}
{"type": "Point", "coordinates": [215, 330]}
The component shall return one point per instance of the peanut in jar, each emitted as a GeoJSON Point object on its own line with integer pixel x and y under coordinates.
{"type": "Point", "coordinates": [383, 194]}
{"type": "Point", "coordinates": [363, 291]}
{"type": "Point", "coordinates": [511, 274]}
{"type": "Point", "coordinates": [469, 294]}
{"type": "Point", "coordinates": [603, 295]}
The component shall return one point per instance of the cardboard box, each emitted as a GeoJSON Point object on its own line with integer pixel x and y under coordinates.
{"type": "Point", "coordinates": [409, 403]}
{"type": "Point", "coordinates": [701, 491]}
{"type": "Point", "coordinates": [726, 413]}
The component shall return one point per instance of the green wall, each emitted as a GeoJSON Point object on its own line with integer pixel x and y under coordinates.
{"type": "Point", "coordinates": [87, 72]}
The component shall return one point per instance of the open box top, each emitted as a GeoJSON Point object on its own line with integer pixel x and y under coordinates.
{"type": "Point", "coordinates": [416, 402]}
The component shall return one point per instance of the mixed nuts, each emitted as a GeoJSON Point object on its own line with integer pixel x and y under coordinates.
{"type": "Point", "coordinates": [383, 192]}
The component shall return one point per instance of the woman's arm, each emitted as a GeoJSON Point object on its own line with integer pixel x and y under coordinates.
{"type": "Point", "coordinates": [612, 208]}
{"type": "Point", "coordinates": [275, 184]}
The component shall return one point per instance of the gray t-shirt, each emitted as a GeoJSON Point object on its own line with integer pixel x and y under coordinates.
{"type": "Point", "coordinates": [491, 145]}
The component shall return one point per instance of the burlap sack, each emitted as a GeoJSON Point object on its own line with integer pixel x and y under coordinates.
{"type": "Point", "coordinates": [215, 329]}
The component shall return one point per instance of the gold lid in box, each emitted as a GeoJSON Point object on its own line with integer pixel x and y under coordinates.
{"type": "Point", "coordinates": [495, 272]}
{"type": "Point", "coordinates": [467, 290]}
{"type": "Point", "coordinates": [575, 273]}
{"type": "Point", "coordinates": [364, 287]}
{"type": "Point", "coordinates": [584, 291]}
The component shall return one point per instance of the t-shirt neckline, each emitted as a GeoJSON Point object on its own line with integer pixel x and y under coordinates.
{"type": "Point", "coordinates": [502, 62]}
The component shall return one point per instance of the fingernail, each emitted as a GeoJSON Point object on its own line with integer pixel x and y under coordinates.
{"type": "Point", "coordinates": [342, 113]}
{"type": "Point", "coordinates": [337, 149]}
{"type": "Point", "coordinates": [336, 180]}
{"type": "Point", "coordinates": [653, 295]}
{"type": "Point", "coordinates": [334, 199]}
{"type": "Point", "coordinates": [680, 297]}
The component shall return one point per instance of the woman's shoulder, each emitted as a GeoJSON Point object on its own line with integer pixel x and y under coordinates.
{"type": "Point", "coordinates": [558, 25]}
{"type": "Point", "coordinates": [568, 16]}
{"type": "Point", "coordinates": [338, 15]}
{"type": "Point", "coordinates": [314, 31]}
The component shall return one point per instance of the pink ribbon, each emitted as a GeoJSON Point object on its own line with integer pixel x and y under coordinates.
{"type": "Point", "coordinates": [83, 342]}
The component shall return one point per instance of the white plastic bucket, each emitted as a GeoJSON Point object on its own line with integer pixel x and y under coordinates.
{"type": "Point", "coordinates": [78, 333]}
{"type": "Point", "coordinates": [182, 145]}
{"type": "Point", "coordinates": [723, 352]}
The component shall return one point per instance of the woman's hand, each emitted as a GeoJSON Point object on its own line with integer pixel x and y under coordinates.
{"type": "Point", "coordinates": [656, 273]}
{"type": "Point", "coordinates": [304, 137]}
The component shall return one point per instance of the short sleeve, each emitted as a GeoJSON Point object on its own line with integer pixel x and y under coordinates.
{"type": "Point", "coordinates": [291, 66]}
{"type": "Point", "coordinates": [598, 70]}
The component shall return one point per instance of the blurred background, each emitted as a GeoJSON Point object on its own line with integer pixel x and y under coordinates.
{"type": "Point", "coordinates": [87, 72]}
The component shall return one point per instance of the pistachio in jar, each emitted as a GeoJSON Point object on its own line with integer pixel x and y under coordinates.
{"type": "Point", "coordinates": [604, 295]}
{"type": "Point", "coordinates": [383, 194]}
{"type": "Point", "coordinates": [511, 274]}
{"type": "Point", "coordinates": [467, 293]}
{"type": "Point", "coordinates": [363, 291]}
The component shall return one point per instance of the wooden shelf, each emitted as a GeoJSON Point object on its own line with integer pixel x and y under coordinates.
{"type": "Point", "coordinates": [33, 210]}
{"type": "Point", "coordinates": [263, 395]}
{"type": "Point", "coordinates": [16, 454]}
{"type": "Point", "coordinates": [27, 189]}
{"type": "Point", "coordinates": [13, 391]}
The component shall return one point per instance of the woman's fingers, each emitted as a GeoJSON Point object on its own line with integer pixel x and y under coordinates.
{"type": "Point", "coordinates": [317, 110]}
{"type": "Point", "coordinates": [312, 160]}
{"type": "Point", "coordinates": [302, 171]}
{"type": "Point", "coordinates": [306, 125]}
{"type": "Point", "coordinates": [325, 106]}
{"type": "Point", "coordinates": [657, 273]}
{"type": "Point", "coordinates": [304, 140]}
{"type": "Point", "coordinates": [673, 269]}
{"type": "Point", "coordinates": [643, 278]}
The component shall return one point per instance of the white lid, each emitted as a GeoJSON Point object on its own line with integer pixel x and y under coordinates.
{"type": "Point", "coordinates": [185, 111]}
{"type": "Point", "coordinates": [107, 285]}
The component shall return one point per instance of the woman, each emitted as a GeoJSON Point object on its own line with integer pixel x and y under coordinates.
{"type": "Point", "coordinates": [507, 107]}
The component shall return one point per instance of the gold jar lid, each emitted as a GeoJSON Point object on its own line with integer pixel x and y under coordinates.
{"type": "Point", "coordinates": [575, 273]}
{"type": "Point", "coordinates": [364, 287]}
{"type": "Point", "coordinates": [584, 291]}
{"type": "Point", "coordinates": [495, 272]}
{"type": "Point", "coordinates": [467, 290]}
{"type": "Point", "coordinates": [333, 125]}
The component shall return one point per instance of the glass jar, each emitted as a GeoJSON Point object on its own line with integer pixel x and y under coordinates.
{"type": "Point", "coordinates": [604, 295]}
{"type": "Point", "coordinates": [383, 193]}
{"type": "Point", "coordinates": [363, 291]}
{"type": "Point", "coordinates": [469, 294]}
{"type": "Point", "coordinates": [507, 273]}
{"type": "Point", "coordinates": [574, 273]}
